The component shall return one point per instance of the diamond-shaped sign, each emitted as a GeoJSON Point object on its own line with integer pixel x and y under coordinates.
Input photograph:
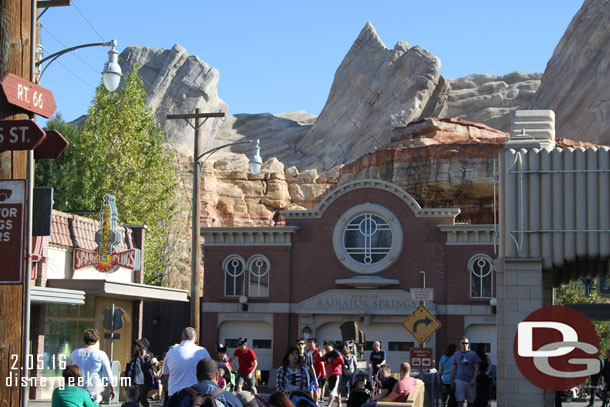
{"type": "Point", "coordinates": [422, 324]}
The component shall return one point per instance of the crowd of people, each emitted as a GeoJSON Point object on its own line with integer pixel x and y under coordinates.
{"type": "Point", "coordinates": [187, 375]}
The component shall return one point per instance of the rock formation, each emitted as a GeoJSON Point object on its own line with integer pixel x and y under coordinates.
{"type": "Point", "coordinates": [374, 123]}
{"type": "Point", "coordinates": [176, 83]}
{"type": "Point", "coordinates": [575, 83]}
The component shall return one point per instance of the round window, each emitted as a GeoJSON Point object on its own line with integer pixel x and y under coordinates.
{"type": "Point", "coordinates": [367, 238]}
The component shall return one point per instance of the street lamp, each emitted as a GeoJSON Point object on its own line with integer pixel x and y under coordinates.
{"type": "Point", "coordinates": [255, 164]}
{"type": "Point", "coordinates": [112, 71]}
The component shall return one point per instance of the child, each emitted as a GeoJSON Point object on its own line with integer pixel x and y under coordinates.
{"type": "Point", "coordinates": [132, 397]}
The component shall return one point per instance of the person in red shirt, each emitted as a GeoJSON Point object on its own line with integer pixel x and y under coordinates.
{"type": "Point", "coordinates": [334, 369]}
{"type": "Point", "coordinates": [246, 372]}
{"type": "Point", "coordinates": [318, 365]}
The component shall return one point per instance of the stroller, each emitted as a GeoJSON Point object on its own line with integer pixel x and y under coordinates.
{"type": "Point", "coordinates": [301, 399]}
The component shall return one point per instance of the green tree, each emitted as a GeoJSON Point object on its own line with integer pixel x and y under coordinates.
{"type": "Point", "coordinates": [574, 293]}
{"type": "Point", "coordinates": [120, 150]}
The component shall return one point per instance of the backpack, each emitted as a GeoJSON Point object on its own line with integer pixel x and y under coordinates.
{"type": "Point", "coordinates": [205, 400]}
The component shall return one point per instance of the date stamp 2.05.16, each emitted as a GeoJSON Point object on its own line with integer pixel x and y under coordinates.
{"type": "Point", "coordinates": [38, 362]}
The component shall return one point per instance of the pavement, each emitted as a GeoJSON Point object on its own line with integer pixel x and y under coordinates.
{"type": "Point", "coordinates": [575, 403]}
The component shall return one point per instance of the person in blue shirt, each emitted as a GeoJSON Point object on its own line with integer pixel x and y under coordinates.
{"type": "Point", "coordinates": [464, 372]}
{"type": "Point", "coordinates": [444, 371]}
{"type": "Point", "coordinates": [207, 376]}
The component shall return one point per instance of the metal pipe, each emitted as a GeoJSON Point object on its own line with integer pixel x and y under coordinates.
{"type": "Point", "coordinates": [25, 347]}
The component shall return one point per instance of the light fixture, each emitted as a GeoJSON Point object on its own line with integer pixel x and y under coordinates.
{"type": "Point", "coordinates": [112, 70]}
{"type": "Point", "coordinates": [243, 300]}
{"type": "Point", "coordinates": [256, 161]}
{"type": "Point", "coordinates": [306, 332]}
{"type": "Point", "coordinates": [493, 302]}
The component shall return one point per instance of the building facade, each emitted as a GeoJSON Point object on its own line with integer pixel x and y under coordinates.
{"type": "Point", "coordinates": [66, 300]}
{"type": "Point", "coordinates": [354, 258]}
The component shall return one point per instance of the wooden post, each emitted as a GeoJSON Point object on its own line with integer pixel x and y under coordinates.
{"type": "Point", "coordinates": [15, 51]}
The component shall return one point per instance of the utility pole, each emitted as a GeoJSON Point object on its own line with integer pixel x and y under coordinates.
{"type": "Point", "coordinates": [195, 303]}
{"type": "Point", "coordinates": [18, 42]}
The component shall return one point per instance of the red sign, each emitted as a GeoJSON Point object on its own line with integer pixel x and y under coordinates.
{"type": "Point", "coordinates": [12, 203]}
{"type": "Point", "coordinates": [20, 135]}
{"type": "Point", "coordinates": [28, 95]}
{"type": "Point", "coordinates": [53, 146]}
{"type": "Point", "coordinates": [106, 259]}
{"type": "Point", "coordinates": [421, 358]}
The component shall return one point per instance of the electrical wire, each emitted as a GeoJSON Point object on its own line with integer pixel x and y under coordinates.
{"type": "Point", "coordinates": [73, 52]}
{"type": "Point", "coordinates": [87, 21]}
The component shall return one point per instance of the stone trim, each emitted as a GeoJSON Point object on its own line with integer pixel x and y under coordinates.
{"type": "Point", "coordinates": [249, 236]}
{"type": "Point", "coordinates": [234, 307]}
{"type": "Point", "coordinates": [371, 183]}
{"type": "Point", "coordinates": [468, 234]}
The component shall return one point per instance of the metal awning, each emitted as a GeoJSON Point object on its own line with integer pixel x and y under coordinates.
{"type": "Point", "coordinates": [126, 291]}
{"type": "Point", "coordinates": [51, 295]}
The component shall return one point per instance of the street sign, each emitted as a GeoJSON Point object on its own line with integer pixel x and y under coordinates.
{"type": "Point", "coordinates": [53, 146]}
{"type": "Point", "coordinates": [422, 294]}
{"type": "Point", "coordinates": [422, 324]}
{"type": "Point", "coordinates": [12, 204]}
{"type": "Point", "coordinates": [20, 135]}
{"type": "Point", "coordinates": [421, 358]}
{"type": "Point", "coordinates": [113, 321]}
{"type": "Point", "coordinates": [27, 95]}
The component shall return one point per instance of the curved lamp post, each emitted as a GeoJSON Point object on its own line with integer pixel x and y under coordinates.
{"type": "Point", "coordinates": [112, 71]}
{"type": "Point", "coordinates": [256, 163]}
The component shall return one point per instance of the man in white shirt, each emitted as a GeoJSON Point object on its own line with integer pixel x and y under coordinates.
{"type": "Point", "coordinates": [181, 362]}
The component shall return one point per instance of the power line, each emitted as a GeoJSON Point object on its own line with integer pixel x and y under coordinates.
{"type": "Point", "coordinates": [85, 18]}
{"type": "Point", "coordinates": [73, 53]}
{"type": "Point", "coordinates": [78, 77]}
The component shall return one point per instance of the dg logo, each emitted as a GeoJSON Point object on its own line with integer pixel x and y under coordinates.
{"type": "Point", "coordinates": [556, 348]}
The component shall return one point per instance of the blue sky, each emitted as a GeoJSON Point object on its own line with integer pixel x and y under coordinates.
{"type": "Point", "coordinates": [278, 56]}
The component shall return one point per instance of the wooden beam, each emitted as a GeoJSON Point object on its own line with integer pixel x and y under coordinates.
{"type": "Point", "coordinates": [53, 3]}
{"type": "Point", "coordinates": [15, 58]}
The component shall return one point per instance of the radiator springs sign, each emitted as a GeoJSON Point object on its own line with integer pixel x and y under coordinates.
{"type": "Point", "coordinates": [106, 259]}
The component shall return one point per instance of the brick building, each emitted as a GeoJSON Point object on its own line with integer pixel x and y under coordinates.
{"type": "Point", "coordinates": [354, 258]}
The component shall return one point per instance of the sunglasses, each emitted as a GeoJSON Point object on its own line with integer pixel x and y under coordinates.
{"type": "Point", "coordinates": [464, 343]}
{"type": "Point", "coordinates": [300, 343]}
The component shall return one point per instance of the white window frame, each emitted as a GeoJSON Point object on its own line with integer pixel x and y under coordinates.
{"type": "Point", "coordinates": [251, 266]}
{"type": "Point", "coordinates": [472, 275]}
{"type": "Point", "coordinates": [346, 218]}
{"type": "Point", "coordinates": [225, 269]}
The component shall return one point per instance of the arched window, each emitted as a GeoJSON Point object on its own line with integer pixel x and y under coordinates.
{"type": "Point", "coordinates": [481, 276]}
{"type": "Point", "coordinates": [234, 267]}
{"type": "Point", "coordinates": [258, 271]}
{"type": "Point", "coordinates": [367, 238]}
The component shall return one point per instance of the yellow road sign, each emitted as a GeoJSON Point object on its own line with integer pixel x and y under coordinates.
{"type": "Point", "coordinates": [422, 324]}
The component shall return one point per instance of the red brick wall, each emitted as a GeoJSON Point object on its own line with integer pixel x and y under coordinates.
{"type": "Point", "coordinates": [310, 266]}
{"type": "Point", "coordinates": [279, 277]}
{"type": "Point", "coordinates": [209, 333]}
{"type": "Point", "coordinates": [314, 258]}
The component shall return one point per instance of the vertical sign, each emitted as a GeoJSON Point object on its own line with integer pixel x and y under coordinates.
{"type": "Point", "coordinates": [12, 204]}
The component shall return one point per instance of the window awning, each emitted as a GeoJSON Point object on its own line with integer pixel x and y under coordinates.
{"type": "Point", "coordinates": [51, 295]}
{"type": "Point", "coordinates": [127, 291]}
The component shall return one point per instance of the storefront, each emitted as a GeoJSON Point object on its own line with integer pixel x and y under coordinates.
{"type": "Point", "coordinates": [70, 294]}
{"type": "Point", "coordinates": [354, 258]}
